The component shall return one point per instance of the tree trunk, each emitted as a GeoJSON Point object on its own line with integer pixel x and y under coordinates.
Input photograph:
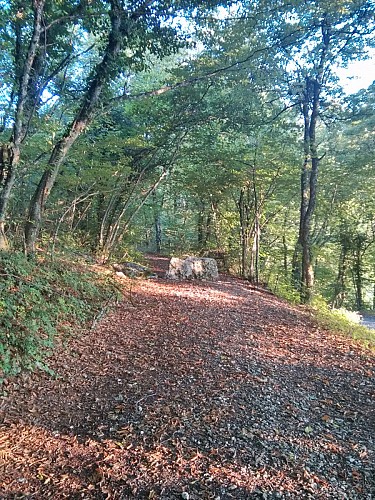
{"type": "Point", "coordinates": [254, 259]}
{"type": "Point", "coordinates": [303, 275]}
{"type": "Point", "coordinates": [157, 223]}
{"type": "Point", "coordinates": [243, 207]}
{"type": "Point", "coordinates": [339, 294]}
{"type": "Point", "coordinates": [254, 263]}
{"type": "Point", "coordinates": [285, 256]}
{"type": "Point", "coordinates": [310, 107]}
{"type": "Point", "coordinates": [297, 267]}
{"type": "Point", "coordinates": [80, 123]}
{"type": "Point", "coordinates": [9, 158]}
{"type": "Point", "coordinates": [200, 225]}
{"type": "Point", "coordinates": [340, 285]}
{"type": "Point", "coordinates": [158, 233]}
{"type": "Point", "coordinates": [358, 272]}
{"type": "Point", "coordinates": [249, 233]}
{"type": "Point", "coordinates": [309, 179]}
{"type": "Point", "coordinates": [27, 92]}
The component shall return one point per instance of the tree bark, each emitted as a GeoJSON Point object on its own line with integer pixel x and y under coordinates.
{"type": "Point", "coordinates": [358, 271]}
{"type": "Point", "coordinates": [303, 270]}
{"type": "Point", "coordinates": [80, 123]}
{"type": "Point", "coordinates": [243, 208]}
{"type": "Point", "coordinates": [249, 233]}
{"type": "Point", "coordinates": [157, 222]}
{"type": "Point", "coordinates": [254, 258]}
{"type": "Point", "coordinates": [340, 285]}
{"type": "Point", "coordinates": [10, 153]}
{"type": "Point", "coordinates": [200, 225]}
{"type": "Point", "coordinates": [158, 232]}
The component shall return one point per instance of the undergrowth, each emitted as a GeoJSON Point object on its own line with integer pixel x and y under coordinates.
{"type": "Point", "coordinates": [41, 301]}
{"type": "Point", "coordinates": [337, 320]}
{"type": "Point", "coordinates": [342, 321]}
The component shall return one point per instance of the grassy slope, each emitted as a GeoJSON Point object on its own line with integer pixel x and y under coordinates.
{"type": "Point", "coordinates": [42, 301]}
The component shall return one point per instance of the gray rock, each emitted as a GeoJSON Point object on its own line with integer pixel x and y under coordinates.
{"type": "Point", "coordinates": [132, 270]}
{"type": "Point", "coordinates": [192, 268]}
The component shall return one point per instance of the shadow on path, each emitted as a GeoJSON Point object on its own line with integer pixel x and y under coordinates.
{"type": "Point", "coordinates": [208, 389]}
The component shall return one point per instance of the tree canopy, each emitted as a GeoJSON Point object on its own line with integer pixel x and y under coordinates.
{"type": "Point", "coordinates": [213, 127]}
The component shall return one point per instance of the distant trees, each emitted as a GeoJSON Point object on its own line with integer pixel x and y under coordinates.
{"type": "Point", "coordinates": [122, 39]}
{"type": "Point", "coordinates": [129, 125]}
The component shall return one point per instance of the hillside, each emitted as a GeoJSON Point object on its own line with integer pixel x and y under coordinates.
{"type": "Point", "coordinates": [195, 391]}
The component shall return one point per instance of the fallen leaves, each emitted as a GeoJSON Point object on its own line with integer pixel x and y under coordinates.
{"type": "Point", "coordinates": [211, 390]}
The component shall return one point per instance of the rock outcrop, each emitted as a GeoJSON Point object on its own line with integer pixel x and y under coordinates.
{"type": "Point", "coordinates": [192, 268]}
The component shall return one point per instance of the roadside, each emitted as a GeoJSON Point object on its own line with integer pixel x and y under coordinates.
{"type": "Point", "coordinates": [368, 320]}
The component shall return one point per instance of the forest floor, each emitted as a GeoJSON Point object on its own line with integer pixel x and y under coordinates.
{"type": "Point", "coordinates": [193, 390]}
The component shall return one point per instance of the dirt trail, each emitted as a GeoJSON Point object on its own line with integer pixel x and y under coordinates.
{"type": "Point", "coordinates": [195, 391]}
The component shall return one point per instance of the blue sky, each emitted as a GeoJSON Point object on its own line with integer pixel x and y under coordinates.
{"type": "Point", "coordinates": [358, 74]}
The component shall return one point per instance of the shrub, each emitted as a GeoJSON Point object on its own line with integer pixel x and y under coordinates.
{"type": "Point", "coordinates": [39, 301]}
{"type": "Point", "coordinates": [343, 321]}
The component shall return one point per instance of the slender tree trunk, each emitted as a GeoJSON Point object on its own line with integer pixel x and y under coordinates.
{"type": "Point", "coordinates": [243, 207]}
{"type": "Point", "coordinates": [80, 123]}
{"type": "Point", "coordinates": [9, 158]}
{"type": "Point", "coordinates": [254, 265]}
{"type": "Point", "coordinates": [200, 225]}
{"type": "Point", "coordinates": [285, 249]}
{"type": "Point", "coordinates": [207, 230]}
{"type": "Point", "coordinates": [157, 223]}
{"type": "Point", "coordinates": [158, 233]}
{"type": "Point", "coordinates": [307, 266]}
{"type": "Point", "coordinates": [297, 267]}
{"type": "Point", "coordinates": [358, 272]}
{"type": "Point", "coordinates": [204, 226]}
{"type": "Point", "coordinates": [254, 260]}
{"type": "Point", "coordinates": [340, 285]}
{"type": "Point", "coordinates": [309, 179]}
{"type": "Point", "coordinates": [309, 175]}
{"type": "Point", "coordinates": [214, 224]}
{"type": "Point", "coordinates": [249, 234]}
{"type": "Point", "coordinates": [10, 153]}
{"type": "Point", "coordinates": [339, 293]}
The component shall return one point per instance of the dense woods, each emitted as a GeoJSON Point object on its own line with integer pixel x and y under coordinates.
{"type": "Point", "coordinates": [210, 127]}
{"type": "Point", "coordinates": [132, 131]}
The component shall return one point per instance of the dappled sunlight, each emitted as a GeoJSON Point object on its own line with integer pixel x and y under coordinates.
{"type": "Point", "coordinates": [192, 291]}
{"type": "Point", "coordinates": [210, 389]}
{"type": "Point", "coordinates": [259, 322]}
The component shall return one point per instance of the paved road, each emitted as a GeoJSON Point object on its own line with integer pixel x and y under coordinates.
{"type": "Point", "coordinates": [368, 321]}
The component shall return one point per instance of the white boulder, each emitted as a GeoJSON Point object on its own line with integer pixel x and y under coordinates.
{"type": "Point", "coordinates": [192, 268]}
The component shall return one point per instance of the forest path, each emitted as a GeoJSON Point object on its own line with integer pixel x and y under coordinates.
{"type": "Point", "coordinates": [197, 391]}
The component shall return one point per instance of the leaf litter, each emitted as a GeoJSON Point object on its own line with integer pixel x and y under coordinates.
{"type": "Point", "coordinates": [194, 390]}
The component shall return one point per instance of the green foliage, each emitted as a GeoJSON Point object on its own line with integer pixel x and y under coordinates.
{"type": "Point", "coordinates": [42, 301]}
{"type": "Point", "coordinates": [217, 120]}
{"type": "Point", "coordinates": [282, 287]}
{"type": "Point", "coordinates": [342, 321]}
